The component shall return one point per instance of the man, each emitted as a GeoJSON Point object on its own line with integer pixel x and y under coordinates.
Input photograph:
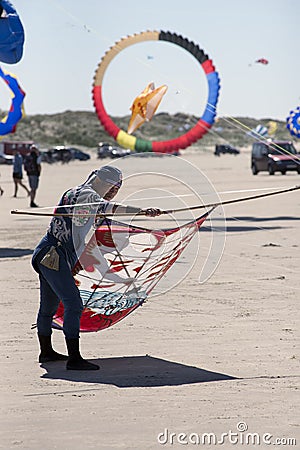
{"type": "Point", "coordinates": [18, 173]}
{"type": "Point", "coordinates": [59, 250]}
{"type": "Point", "coordinates": [32, 165]}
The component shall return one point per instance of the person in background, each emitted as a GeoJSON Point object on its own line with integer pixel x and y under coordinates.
{"type": "Point", "coordinates": [1, 191]}
{"type": "Point", "coordinates": [55, 257]}
{"type": "Point", "coordinates": [18, 173]}
{"type": "Point", "coordinates": [32, 165]}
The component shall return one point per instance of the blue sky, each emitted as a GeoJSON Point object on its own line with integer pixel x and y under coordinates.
{"type": "Point", "coordinates": [66, 39]}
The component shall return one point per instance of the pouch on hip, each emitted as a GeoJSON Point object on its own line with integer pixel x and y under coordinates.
{"type": "Point", "coordinates": [51, 259]}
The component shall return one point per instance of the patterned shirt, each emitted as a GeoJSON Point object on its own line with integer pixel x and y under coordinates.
{"type": "Point", "coordinates": [70, 232]}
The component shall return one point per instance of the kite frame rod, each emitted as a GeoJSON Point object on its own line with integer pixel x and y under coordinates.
{"type": "Point", "coordinates": [237, 200]}
{"type": "Point", "coordinates": [168, 211]}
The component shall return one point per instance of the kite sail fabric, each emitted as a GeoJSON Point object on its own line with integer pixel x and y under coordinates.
{"type": "Point", "coordinates": [262, 61]}
{"type": "Point", "coordinates": [145, 106]}
{"type": "Point", "coordinates": [11, 34]}
{"type": "Point", "coordinates": [259, 130]}
{"type": "Point", "coordinates": [293, 122]}
{"type": "Point", "coordinates": [16, 112]}
{"type": "Point", "coordinates": [120, 266]}
{"type": "Point", "coordinates": [272, 127]}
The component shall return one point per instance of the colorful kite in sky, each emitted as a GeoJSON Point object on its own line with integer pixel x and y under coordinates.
{"type": "Point", "coordinates": [272, 127]}
{"type": "Point", "coordinates": [11, 34]}
{"type": "Point", "coordinates": [293, 122]}
{"type": "Point", "coordinates": [262, 61]}
{"type": "Point", "coordinates": [145, 105]}
{"type": "Point", "coordinates": [16, 112]}
{"type": "Point", "coordinates": [259, 130]}
{"type": "Point", "coordinates": [192, 135]}
{"type": "Point", "coordinates": [121, 265]}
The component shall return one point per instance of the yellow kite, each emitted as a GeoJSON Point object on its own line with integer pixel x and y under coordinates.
{"type": "Point", "coordinates": [145, 105]}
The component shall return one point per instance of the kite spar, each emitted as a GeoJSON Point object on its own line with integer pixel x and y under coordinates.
{"type": "Point", "coordinates": [169, 211]}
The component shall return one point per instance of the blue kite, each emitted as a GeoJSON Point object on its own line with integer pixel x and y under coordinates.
{"type": "Point", "coordinates": [293, 122]}
{"type": "Point", "coordinates": [16, 111]}
{"type": "Point", "coordinates": [11, 34]}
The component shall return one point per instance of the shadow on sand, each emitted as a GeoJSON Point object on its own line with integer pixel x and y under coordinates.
{"type": "Point", "coordinates": [246, 227]}
{"type": "Point", "coordinates": [237, 228]}
{"type": "Point", "coordinates": [135, 371]}
{"type": "Point", "coordinates": [15, 252]}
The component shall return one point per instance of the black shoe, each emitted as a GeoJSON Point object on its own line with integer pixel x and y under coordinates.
{"type": "Point", "coordinates": [47, 353]}
{"type": "Point", "coordinates": [75, 361]}
{"type": "Point", "coordinates": [33, 205]}
{"type": "Point", "coordinates": [52, 356]}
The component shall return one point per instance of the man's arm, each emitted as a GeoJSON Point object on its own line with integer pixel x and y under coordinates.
{"type": "Point", "coordinates": [150, 212]}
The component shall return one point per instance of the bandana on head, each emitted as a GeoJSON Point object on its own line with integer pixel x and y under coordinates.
{"type": "Point", "coordinates": [110, 175]}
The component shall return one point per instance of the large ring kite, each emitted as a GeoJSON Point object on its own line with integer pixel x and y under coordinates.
{"type": "Point", "coordinates": [181, 142]}
{"type": "Point", "coordinates": [293, 122]}
{"type": "Point", "coordinates": [16, 112]}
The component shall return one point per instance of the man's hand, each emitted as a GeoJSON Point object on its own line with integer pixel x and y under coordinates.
{"type": "Point", "coordinates": [152, 212]}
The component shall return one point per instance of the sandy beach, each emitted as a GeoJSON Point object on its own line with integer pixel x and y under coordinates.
{"type": "Point", "coordinates": [202, 365]}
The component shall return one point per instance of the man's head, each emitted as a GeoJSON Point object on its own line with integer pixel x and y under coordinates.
{"type": "Point", "coordinates": [33, 148]}
{"type": "Point", "coordinates": [110, 174]}
{"type": "Point", "coordinates": [107, 181]}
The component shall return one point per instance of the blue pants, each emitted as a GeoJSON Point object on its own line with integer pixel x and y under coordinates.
{"type": "Point", "coordinates": [55, 286]}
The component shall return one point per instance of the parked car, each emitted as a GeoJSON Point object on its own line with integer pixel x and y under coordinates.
{"type": "Point", "coordinates": [106, 150]}
{"type": "Point", "coordinates": [59, 153]}
{"type": "Point", "coordinates": [79, 154]}
{"type": "Point", "coordinates": [118, 152]}
{"type": "Point", "coordinates": [222, 149]}
{"type": "Point", "coordinates": [274, 156]}
{"type": "Point", "coordinates": [64, 154]}
{"type": "Point", "coordinates": [6, 159]}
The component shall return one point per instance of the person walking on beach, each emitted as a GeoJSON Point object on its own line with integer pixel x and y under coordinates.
{"type": "Point", "coordinates": [32, 165]}
{"type": "Point", "coordinates": [18, 173]}
{"type": "Point", "coordinates": [1, 191]}
{"type": "Point", "coordinates": [59, 250]}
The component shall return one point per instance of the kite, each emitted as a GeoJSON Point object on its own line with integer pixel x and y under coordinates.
{"type": "Point", "coordinates": [141, 145]}
{"type": "Point", "coordinates": [145, 105]}
{"type": "Point", "coordinates": [121, 265]}
{"type": "Point", "coordinates": [16, 112]}
{"type": "Point", "coordinates": [11, 34]}
{"type": "Point", "coordinates": [259, 130]}
{"type": "Point", "coordinates": [262, 61]}
{"type": "Point", "coordinates": [293, 122]}
{"type": "Point", "coordinates": [272, 127]}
